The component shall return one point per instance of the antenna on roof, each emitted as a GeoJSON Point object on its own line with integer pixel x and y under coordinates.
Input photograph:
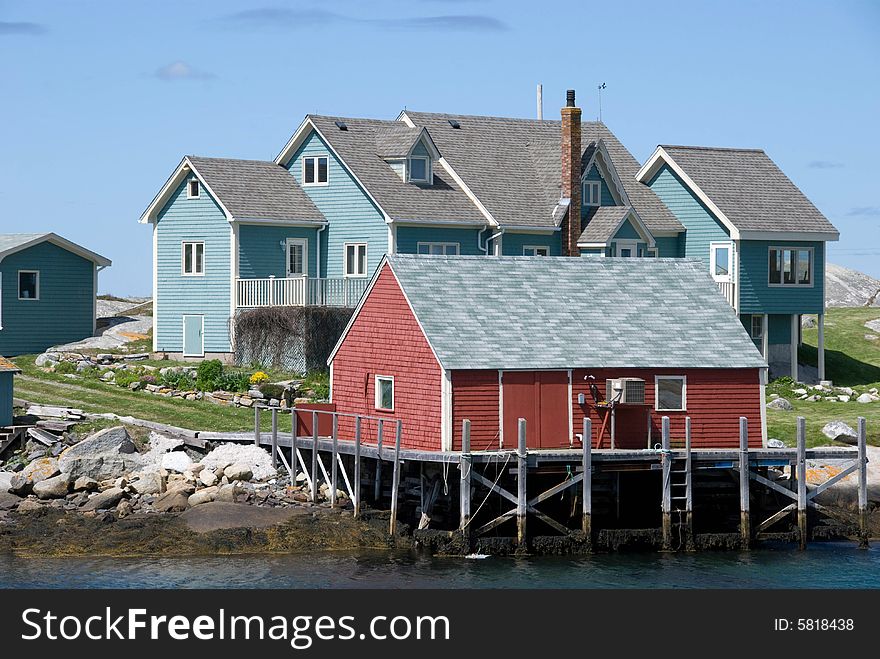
{"type": "Point", "coordinates": [540, 101]}
{"type": "Point", "coordinates": [600, 88]}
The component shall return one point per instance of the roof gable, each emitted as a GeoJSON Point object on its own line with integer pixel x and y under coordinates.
{"type": "Point", "coordinates": [11, 243]}
{"type": "Point", "coordinates": [607, 221]}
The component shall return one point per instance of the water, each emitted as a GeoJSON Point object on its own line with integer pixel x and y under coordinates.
{"type": "Point", "coordinates": [825, 565]}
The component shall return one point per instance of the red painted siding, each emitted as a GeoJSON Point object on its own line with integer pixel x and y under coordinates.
{"type": "Point", "coordinates": [716, 398]}
{"type": "Point", "coordinates": [475, 397]}
{"type": "Point", "coordinates": [386, 339]}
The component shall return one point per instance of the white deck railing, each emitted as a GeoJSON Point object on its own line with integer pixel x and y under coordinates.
{"type": "Point", "coordinates": [728, 290]}
{"type": "Point", "coordinates": [300, 292]}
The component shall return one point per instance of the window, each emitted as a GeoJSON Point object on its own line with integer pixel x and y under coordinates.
{"type": "Point", "coordinates": [791, 266]}
{"type": "Point", "coordinates": [193, 258]}
{"type": "Point", "coordinates": [592, 193]}
{"type": "Point", "coordinates": [419, 169]}
{"type": "Point", "coordinates": [297, 257]}
{"type": "Point", "coordinates": [652, 252]}
{"type": "Point", "coordinates": [385, 393]}
{"type": "Point", "coordinates": [627, 248]}
{"type": "Point", "coordinates": [757, 327]}
{"type": "Point", "coordinates": [536, 250]}
{"type": "Point", "coordinates": [315, 170]}
{"type": "Point", "coordinates": [28, 285]}
{"type": "Point", "coordinates": [721, 260]}
{"type": "Point", "coordinates": [355, 260]}
{"type": "Point", "coordinates": [193, 188]}
{"type": "Point", "coordinates": [670, 393]}
{"type": "Point", "coordinates": [443, 249]}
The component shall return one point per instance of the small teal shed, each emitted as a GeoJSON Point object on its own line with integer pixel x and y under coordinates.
{"type": "Point", "coordinates": [48, 287]}
{"type": "Point", "coordinates": [7, 371]}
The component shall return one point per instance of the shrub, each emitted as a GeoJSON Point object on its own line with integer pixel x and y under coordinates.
{"type": "Point", "coordinates": [148, 379]}
{"type": "Point", "coordinates": [237, 382]}
{"type": "Point", "coordinates": [91, 372]}
{"type": "Point", "coordinates": [182, 380]}
{"type": "Point", "coordinates": [272, 390]}
{"type": "Point", "coordinates": [63, 368]}
{"type": "Point", "coordinates": [208, 375]}
{"type": "Point", "coordinates": [126, 377]}
{"type": "Point", "coordinates": [259, 378]}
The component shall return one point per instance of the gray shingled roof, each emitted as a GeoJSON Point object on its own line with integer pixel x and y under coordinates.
{"type": "Point", "coordinates": [750, 189]}
{"type": "Point", "coordinates": [557, 312]}
{"type": "Point", "coordinates": [601, 226]}
{"type": "Point", "coordinates": [256, 189]}
{"type": "Point", "coordinates": [396, 140]}
{"type": "Point", "coordinates": [514, 166]}
{"type": "Point", "coordinates": [359, 147]}
{"type": "Point", "coordinates": [11, 242]}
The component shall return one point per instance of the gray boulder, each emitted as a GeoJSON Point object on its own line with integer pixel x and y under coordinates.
{"type": "Point", "coordinates": [107, 454]}
{"type": "Point", "coordinates": [105, 500]}
{"type": "Point", "coordinates": [864, 398]}
{"type": "Point", "coordinates": [240, 471]}
{"type": "Point", "coordinates": [150, 482]}
{"type": "Point", "coordinates": [175, 500]}
{"type": "Point", "coordinates": [177, 461]}
{"type": "Point", "coordinates": [207, 477]}
{"type": "Point", "coordinates": [841, 432]}
{"type": "Point", "coordinates": [780, 404]}
{"type": "Point", "coordinates": [8, 501]}
{"type": "Point", "coordinates": [39, 470]}
{"type": "Point", "coordinates": [52, 488]}
{"type": "Point", "coordinates": [85, 484]}
{"type": "Point", "coordinates": [5, 481]}
{"type": "Point", "coordinates": [204, 496]}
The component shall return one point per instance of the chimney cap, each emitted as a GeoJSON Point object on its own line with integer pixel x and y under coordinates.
{"type": "Point", "coordinates": [569, 98]}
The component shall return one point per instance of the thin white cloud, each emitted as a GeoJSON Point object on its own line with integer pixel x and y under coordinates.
{"type": "Point", "coordinates": [181, 71]}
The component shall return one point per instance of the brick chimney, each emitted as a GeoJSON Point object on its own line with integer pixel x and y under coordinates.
{"type": "Point", "coordinates": [571, 174]}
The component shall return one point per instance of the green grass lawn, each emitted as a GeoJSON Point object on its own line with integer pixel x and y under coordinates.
{"type": "Point", "coordinates": [851, 360]}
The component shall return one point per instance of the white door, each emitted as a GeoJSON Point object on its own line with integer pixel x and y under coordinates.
{"type": "Point", "coordinates": [193, 336]}
{"type": "Point", "coordinates": [297, 257]}
{"type": "Point", "coordinates": [721, 258]}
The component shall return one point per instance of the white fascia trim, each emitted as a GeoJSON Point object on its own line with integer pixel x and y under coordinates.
{"type": "Point", "coordinates": [55, 239]}
{"type": "Point", "coordinates": [661, 157]}
{"type": "Point", "coordinates": [793, 235]}
{"type": "Point", "coordinates": [300, 135]}
{"type": "Point", "coordinates": [233, 284]}
{"type": "Point", "coordinates": [281, 223]}
{"type": "Point", "coordinates": [452, 224]}
{"type": "Point", "coordinates": [171, 184]}
{"type": "Point", "coordinates": [155, 287]}
{"type": "Point", "coordinates": [611, 172]}
{"type": "Point", "coordinates": [429, 143]}
{"type": "Point", "coordinates": [512, 228]}
{"type": "Point", "coordinates": [592, 245]}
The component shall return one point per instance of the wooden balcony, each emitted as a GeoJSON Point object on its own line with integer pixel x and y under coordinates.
{"type": "Point", "coordinates": [728, 290]}
{"type": "Point", "coordinates": [300, 292]}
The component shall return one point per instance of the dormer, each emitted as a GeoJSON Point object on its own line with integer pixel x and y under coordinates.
{"type": "Point", "coordinates": [410, 152]}
{"type": "Point", "coordinates": [600, 185]}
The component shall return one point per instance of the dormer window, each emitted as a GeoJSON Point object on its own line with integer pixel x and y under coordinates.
{"type": "Point", "coordinates": [592, 193]}
{"type": "Point", "coordinates": [419, 169]}
{"type": "Point", "coordinates": [193, 189]}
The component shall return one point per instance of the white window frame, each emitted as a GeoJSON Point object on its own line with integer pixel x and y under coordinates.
{"type": "Point", "coordinates": [183, 246]}
{"type": "Point", "coordinates": [305, 245]}
{"type": "Point", "coordinates": [653, 252]}
{"type": "Point", "coordinates": [316, 182]}
{"type": "Point", "coordinates": [189, 183]}
{"type": "Point", "coordinates": [36, 298]}
{"type": "Point", "coordinates": [345, 247]}
{"type": "Point", "coordinates": [713, 248]}
{"type": "Point", "coordinates": [445, 246]}
{"type": "Point", "coordinates": [760, 319]}
{"type": "Point", "coordinates": [782, 283]}
{"type": "Point", "coordinates": [657, 379]}
{"type": "Point", "coordinates": [376, 396]}
{"type": "Point", "coordinates": [535, 249]}
{"type": "Point", "coordinates": [626, 244]}
{"type": "Point", "coordinates": [428, 173]}
{"type": "Point", "coordinates": [595, 194]}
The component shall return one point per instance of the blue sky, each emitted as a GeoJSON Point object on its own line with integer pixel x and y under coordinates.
{"type": "Point", "coordinates": [101, 99]}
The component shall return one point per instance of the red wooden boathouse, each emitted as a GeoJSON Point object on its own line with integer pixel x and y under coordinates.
{"type": "Point", "coordinates": [436, 340]}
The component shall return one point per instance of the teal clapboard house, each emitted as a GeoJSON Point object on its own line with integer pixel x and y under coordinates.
{"type": "Point", "coordinates": [48, 287]}
{"type": "Point", "coordinates": [7, 371]}
{"type": "Point", "coordinates": [311, 226]}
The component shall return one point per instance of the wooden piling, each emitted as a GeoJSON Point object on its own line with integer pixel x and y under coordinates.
{"type": "Point", "coordinates": [356, 486]}
{"type": "Point", "coordinates": [801, 469]}
{"type": "Point", "coordinates": [863, 483]}
{"type": "Point", "coordinates": [465, 478]}
{"type": "Point", "coordinates": [257, 425]}
{"type": "Point", "coordinates": [745, 527]}
{"type": "Point", "coordinates": [274, 438]}
{"type": "Point", "coordinates": [377, 485]}
{"type": "Point", "coordinates": [314, 457]}
{"type": "Point", "coordinates": [689, 487]}
{"type": "Point", "coordinates": [395, 479]}
{"type": "Point", "coordinates": [666, 503]}
{"type": "Point", "coordinates": [334, 468]}
{"type": "Point", "coordinates": [521, 501]}
{"type": "Point", "coordinates": [587, 482]}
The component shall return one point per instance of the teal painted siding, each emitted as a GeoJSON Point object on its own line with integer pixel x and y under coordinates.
{"type": "Point", "coordinates": [669, 247]}
{"type": "Point", "coordinates": [420, 150]}
{"type": "Point", "coordinates": [757, 296]}
{"type": "Point", "coordinates": [64, 311]}
{"type": "Point", "coordinates": [352, 215]}
{"type": "Point", "coordinates": [627, 232]}
{"type": "Point", "coordinates": [180, 220]}
{"type": "Point", "coordinates": [408, 238]}
{"type": "Point", "coordinates": [702, 226]}
{"type": "Point", "coordinates": [512, 243]}
{"type": "Point", "coordinates": [262, 250]}
{"type": "Point", "coordinates": [605, 198]}
{"type": "Point", "coordinates": [6, 399]}
{"type": "Point", "coordinates": [779, 329]}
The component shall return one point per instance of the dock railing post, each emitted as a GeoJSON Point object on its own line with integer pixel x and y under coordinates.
{"type": "Point", "coordinates": [356, 490]}
{"type": "Point", "coordinates": [275, 438]}
{"type": "Point", "coordinates": [395, 479]}
{"type": "Point", "coordinates": [257, 425]}
{"type": "Point", "coordinates": [334, 468]}
{"type": "Point", "coordinates": [465, 481]}
{"type": "Point", "coordinates": [521, 501]}
{"type": "Point", "coordinates": [314, 457]}
{"type": "Point", "coordinates": [745, 527]}
{"type": "Point", "coordinates": [863, 483]}
{"type": "Point", "coordinates": [666, 504]}
{"type": "Point", "coordinates": [377, 485]}
{"type": "Point", "coordinates": [689, 486]}
{"type": "Point", "coordinates": [587, 482]}
{"type": "Point", "coordinates": [801, 469]}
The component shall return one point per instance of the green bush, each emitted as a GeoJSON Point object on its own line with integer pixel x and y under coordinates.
{"type": "Point", "coordinates": [181, 380]}
{"type": "Point", "coordinates": [64, 368]}
{"type": "Point", "coordinates": [91, 372]}
{"type": "Point", "coordinates": [237, 382]}
{"type": "Point", "coordinates": [208, 375]}
{"type": "Point", "coordinates": [126, 377]}
{"type": "Point", "coordinates": [272, 390]}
